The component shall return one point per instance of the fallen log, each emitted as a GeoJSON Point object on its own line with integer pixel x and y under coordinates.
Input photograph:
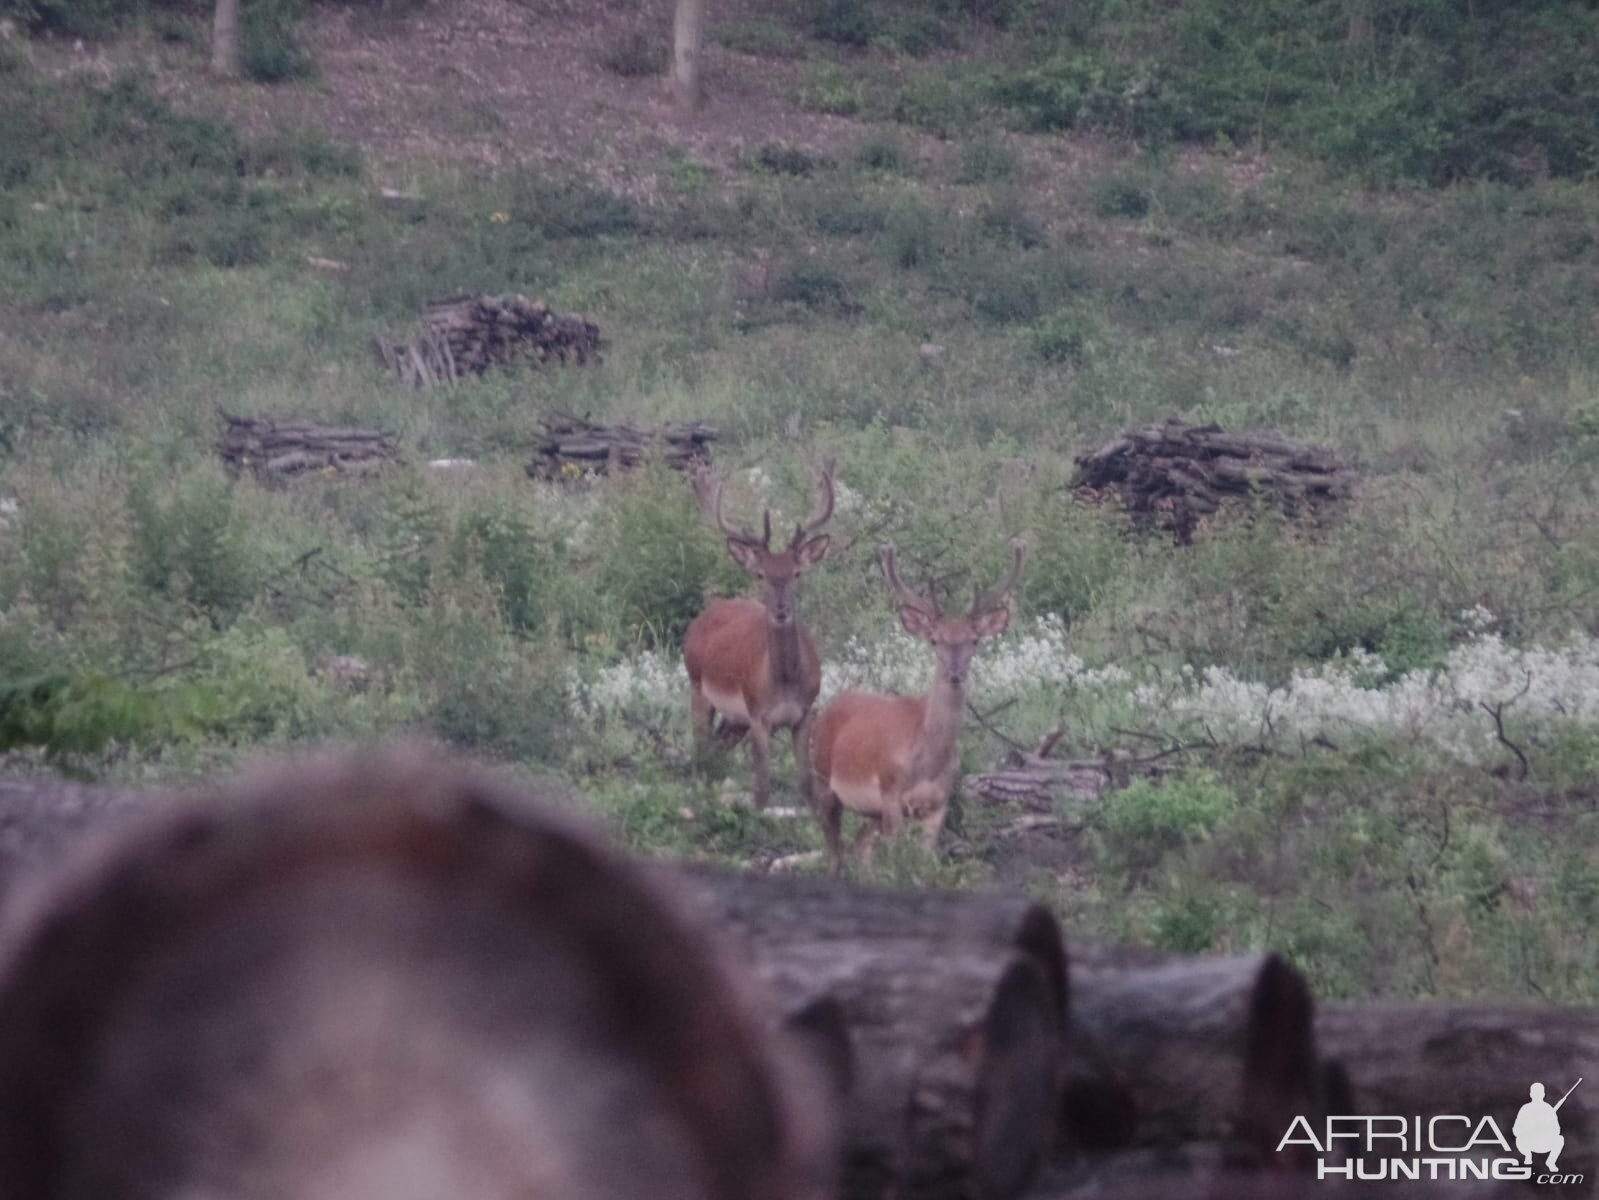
{"type": "Point", "coordinates": [570, 445]}
{"type": "Point", "coordinates": [42, 817]}
{"type": "Point", "coordinates": [955, 1009]}
{"type": "Point", "coordinates": [381, 976]}
{"type": "Point", "coordinates": [1173, 474]}
{"type": "Point", "coordinates": [1169, 1051]}
{"type": "Point", "coordinates": [468, 332]}
{"type": "Point", "coordinates": [281, 450]}
{"type": "Point", "coordinates": [1474, 1060]}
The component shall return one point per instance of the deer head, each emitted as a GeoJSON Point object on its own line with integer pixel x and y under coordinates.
{"type": "Point", "coordinates": [777, 570]}
{"type": "Point", "coordinates": [954, 637]}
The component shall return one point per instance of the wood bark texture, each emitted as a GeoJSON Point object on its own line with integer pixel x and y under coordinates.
{"type": "Point", "coordinates": [468, 332]}
{"type": "Point", "coordinates": [1173, 475]}
{"type": "Point", "coordinates": [378, 977]}
{"type": "Point", "coordinates": [1476, 1060]}
{"type": "Point", "coordinates": [1172, 1051]}
{"type": "Point", "coordinates": [573, 447]}
{"type": "Point", "coordinates": [955, 1010]}
{"type": "Point", "coordinates": [278, 451]}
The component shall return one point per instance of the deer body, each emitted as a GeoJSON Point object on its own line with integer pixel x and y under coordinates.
{"type": "Point", "coordinates": [889, 758]}
{"type": "Point", "coordinates": [754, 662]}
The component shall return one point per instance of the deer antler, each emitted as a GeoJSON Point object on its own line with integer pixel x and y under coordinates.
{"type": "Point", "coordinates": [708, 492]}
{"type": "Point", "coordinates": [887, 556]}
{"type": "Point", "coordinates": [995, 596]}
{"type": "Point", "coordinates": [823, 509]}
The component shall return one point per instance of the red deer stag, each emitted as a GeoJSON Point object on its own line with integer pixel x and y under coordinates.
{"type": "Point", "coordinates": [892, 757]}
{"type": "Point", "coordinates": [754, 661]}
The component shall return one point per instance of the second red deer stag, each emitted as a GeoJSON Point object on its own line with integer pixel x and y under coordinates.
{"type": "Point", "coordinates": [892, 757]}
{"type": "Point", "coordinates": [754, 661]}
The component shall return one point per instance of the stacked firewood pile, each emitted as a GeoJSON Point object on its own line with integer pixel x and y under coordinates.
{"type": "Point", "coordinates": [574, 446]}
{"type": "Point", "coordinates": [1175, 474]}
{"type": "Point", "coordinates": [281, 450]}
{"type": "Point", "coordinates": [469, 332]}
{"type": "Point", "coordinates": [251, 989]}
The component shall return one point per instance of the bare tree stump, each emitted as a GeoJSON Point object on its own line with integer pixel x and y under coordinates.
{"type": "Point", "coordinates": [955, 1012]}
{"type": "Point", "coordinates": [1474, 1060]}
{"type": "Point", "coordinates": [1172, 1051]}
{"type": "Point", "coordinates": [381, 976]}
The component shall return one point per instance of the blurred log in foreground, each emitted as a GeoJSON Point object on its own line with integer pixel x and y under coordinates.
{"type": "Point", "coordinates": [955, 1009]}
{"type": "Point", "coordinates": [1173, 475]}
{"type": "Point", "coordinates": [575, 446]}
{"type": "Point", "coordinates": [1173, 1051]}
{"type": "Point", "coordinates": [382, 977]}
{"type": "Point", "coordinates": [282, 450]}
{"type": "Point", "coordinates": [1474, 1060]}
{"type": "Point", "coordinates": [469, 332]}
{"type": "Point", "coordinates": [41, 817]}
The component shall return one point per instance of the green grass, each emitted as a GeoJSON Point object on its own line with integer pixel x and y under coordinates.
{"type": "Point", "coordinates": [153, 266]}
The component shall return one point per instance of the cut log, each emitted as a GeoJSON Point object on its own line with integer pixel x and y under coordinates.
{"type": "Point", "coordinates": [383, 976]}
{"type": "Point", "coordinates": [41, 818]}
{"type": "Point", "coordinates": [1474, 1060]}
{"type": "Point", "coordinates": [1171, 475]}
{"type": "Point", "coordinates": [275, 451]}
{"type": "Point", "coordinates": [469, 332]}
{"type": "Point", "coordinates": [955, 1009]}
{"type": "Point", "coordinates": [576, 446]}
{"type": "Point", "coordinates": [1171, 1051]}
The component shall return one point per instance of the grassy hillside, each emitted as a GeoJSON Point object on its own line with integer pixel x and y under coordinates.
{"type": "Point", "coordinates": [1384, 729]}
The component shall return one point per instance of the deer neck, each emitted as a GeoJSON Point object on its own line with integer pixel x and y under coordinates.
{"type": "Point", "coordinates": [783, 652]}
{"type": "Point", "coordinates": [944, 708]}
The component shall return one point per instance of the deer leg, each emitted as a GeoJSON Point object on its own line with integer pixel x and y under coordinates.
{"type": "Point", "coordinates": [932, 823]}
{"type": "Point", "coordinates": [700, 712]}
{"type": "Point", "coordinates": [830, 810]}
{"type": "Point", "coordinates": [760, 755]}
{"type": "Point", "coordinates": [802, 758]}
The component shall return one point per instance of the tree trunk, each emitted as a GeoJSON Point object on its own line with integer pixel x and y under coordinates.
{"type": "Point", "coordinates": [688, 41]}
{"type": "Point", "coordinates": [384, 976]}
{"type": "Point", "coordinates": [1477, 1061]}
{"type": "Point", "coordinates": [1170, 1051]}
{"type": "Point", "coordinates": [225, 39]}
{"type": "Point", "coordinates": [955, 1023]}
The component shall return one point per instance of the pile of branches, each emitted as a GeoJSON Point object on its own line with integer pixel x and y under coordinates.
{"type": "Point", "coordinates": [1173, 475]}
{"type": "Point", "coordinates": [469, 332]}
{"type": "Point", "coordinates": [575, 446]}
{"type": "Point", "coordinates": [282, 450]}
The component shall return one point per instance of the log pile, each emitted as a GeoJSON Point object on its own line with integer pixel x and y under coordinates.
{"type": "Point", "coordinates": [394, 975]}
{"type": "Point", "coordinates": [469, 332]}
{"type": "Point", "coordinates": [1171, 476]}
{"type": "Point", "coordinates": [1035, 781]}
{"type": "Point", "coordinates": [283, 450]}
{"type": "Point", "coordinates": [572, 446]}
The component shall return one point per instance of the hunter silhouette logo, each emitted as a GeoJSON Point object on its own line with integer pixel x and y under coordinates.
{"type": "Point", "coordinates": [1537, 1126]}
{"type": "Point", "coordinates": [1447, 1146]}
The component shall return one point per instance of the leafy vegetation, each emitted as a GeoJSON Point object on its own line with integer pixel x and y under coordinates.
{"type": "Point", "coordinates": [1378, 733]}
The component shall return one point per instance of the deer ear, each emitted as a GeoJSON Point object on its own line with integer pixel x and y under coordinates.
{"type": "Point", "coordinates": [744, 554]}
{"type": "Point", "coordinates": [991, 623]}
{"type": "Point", "coordinates": [916, 621]}
{"type": "Point", "coordinates": [812, 552]}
